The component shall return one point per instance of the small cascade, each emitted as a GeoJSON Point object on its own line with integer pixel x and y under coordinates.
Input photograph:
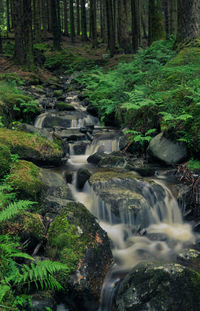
{"type": "Point", "coordinates": [100, 145]}
{"type": "Point", "coordinates": [40, 119]}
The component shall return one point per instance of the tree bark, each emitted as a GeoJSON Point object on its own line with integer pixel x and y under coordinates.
{"type": "Point", "coordinates": [27, 31]}
{"type": "Point", "coordinates": [8, 14]}
{"type": "Point", "coordinates": [123, 35]}
{"type": "Point", "coordinates": [37, 20]}
{"type": "Point", "coordinates": [110, 27]}
{"type": "Point", "coordinates": [18, 28]}
{"type": "Point", "coordinates": [135, 10]}
{"type": "Point", "coordinates": [78, 17]}
{"type": "Point", "coordinates": [72, 28]}
{"type": "Point", "coordinates": [189, 19]}
{"type": "Point", "coordinates": [83, 21]}
{"type": "Point", "coordinates": [55, 26]}
{"type": "Point", "coordinates": [93, 23]}
{"type": "Point", "coordinates": [156, 21]}
{"type": "Point", "coordinates": [66, 18]}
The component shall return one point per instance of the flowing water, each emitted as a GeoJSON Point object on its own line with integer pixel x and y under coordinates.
{"type": "Point", "coordinates": [156, 233]}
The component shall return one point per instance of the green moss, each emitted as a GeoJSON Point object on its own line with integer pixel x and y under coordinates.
{"type": "Point", "coordinates": [189, 55]}
{"type": "Point", "coordinates": [63, 106]}
{"type": "Point", "coordinates": [5, 159]}
{"type": "Point", "coordinates": [25, 179]}
{"type": "Point", "coordinates": [70, 235]}
{"type": "Point", "coordinates": [194, 164]}
{"type": "Point", "coordinates": [58, 92]}
{"type": "Point", "coordinates": [105, 175]}
{"type": "Point", "coordinates": [30, 146]}
{"type": "Point", "coordinates": [32, 226]}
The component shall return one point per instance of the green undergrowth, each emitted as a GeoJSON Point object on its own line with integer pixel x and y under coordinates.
{"type": "Point", "coordinates": [159, 90]}
{"type": "Point", "coordinates": [14, 104]}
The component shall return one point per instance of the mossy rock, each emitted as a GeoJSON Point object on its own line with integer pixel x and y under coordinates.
{"type": "Point", "coordinates": [32, 226]}
{"type": "Point", "coordinates": [154, 286]}
{"type": "Point", "coordinates": [76, 239]}
{"type": "Point", "coordinates": [26, 180]}
{"type": "Point", "coordinates": [58, 93]}
{"type": "Point", "coordinates": [61, 106]}
{"type": "Point", "coordinates": [5, 159]}
{"type": "Point", "coordinates": [31, 147]}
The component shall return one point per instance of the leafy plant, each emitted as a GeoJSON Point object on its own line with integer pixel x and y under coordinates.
{"type": "Point", "coordinates": [140, 138]}
{"type": "Point", "coordinates": [16, 277]}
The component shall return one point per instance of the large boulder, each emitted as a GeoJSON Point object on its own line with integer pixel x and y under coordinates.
{"type": "Point", "coordinates": [31, 147]}
{"type": "Point", "coordinates": [123, 196]}
{"type": "Point", "coordinates": [153, 287]}
{"type": "Point", "coordinates": [166, 150]}
{"type": "Point", "coordinates": [75, 238]}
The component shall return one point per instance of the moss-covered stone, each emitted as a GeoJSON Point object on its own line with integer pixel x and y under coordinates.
{"type": "Point", "coordinates": [58, 93]}
{"type": "Point", "coordinates": [5, 159]}
{"type": "Point", "coordinates": [189, 55]}
{"type": "Point", "coordinates": [76, 239]}
{"type": "Point", "coordinates": [151, 286]}
{"type": "Point", "coordinates": [61, 106]}
{"type": "Point", "coordinates": [25, 179]}
{"type": "Point", "coordinates": [31, 146]}
{"type": "Point", "coordinates": [32, 226]}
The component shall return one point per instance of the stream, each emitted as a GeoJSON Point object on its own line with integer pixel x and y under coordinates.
{"type": "Point", "coordinates": [157, 232]}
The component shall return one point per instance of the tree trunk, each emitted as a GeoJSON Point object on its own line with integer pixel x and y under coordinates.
{"type": "Point", "coordinates": [83, 21]}
{"type": "Point", "coordinates": [55, 26]}
{"type": "Point", "coordinates": [18, 28]}
{"type": "Point", "coordinates": [66, 18]}
{"type": "Point", "coordinates": [78, 17]}
{"type": "Point", "coordinates": [72, 28]}
{"type": "Point", "coordinates": [156, 21]}
{"type": "Point", "coordinates": [189, 19]}
{"type": "Point", "coordinates": [135, 10]}
{"type": "Point", "coordinates": [44, 17]}
{"type": "Point", "coordinates": [110, 27]}
{"type": "Point", "coordinates": [27, 31]}
{"type": "Point", "coordinates": [93, 23]}
{"type": "Point", "coordinates": [173, 17]}
{"type": "Point", "coordinates": [37, 20]}
{"type": "Point", "coordinates": [123, 35]}
{"type": "Point", "coordinates": [8, 14]}
{"type": "Point", "coordinates": [1, 23]}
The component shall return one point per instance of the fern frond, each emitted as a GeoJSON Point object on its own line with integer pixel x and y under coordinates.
{"type": "Point", "coordinates": [3, 291]}
{"type": "Point", "coordinates": [13, 209]}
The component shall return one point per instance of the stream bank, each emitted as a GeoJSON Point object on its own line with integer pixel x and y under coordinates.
{"type": "Point", "coordinates": [137, 210]}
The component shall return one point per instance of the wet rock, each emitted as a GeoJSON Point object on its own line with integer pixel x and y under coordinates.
{"type": "Point", "coordinates": [189, 258]}
{"type": "Point", "coordinates": [41, 302]}
{"type": "Point", "coordinates": [80, 147]}
{"type": "Point", "coordinates": [61, 119]}
{"type": "Point", "coordinates": [96, 157]}
{"type": "Point", "coordinates": [129, 197]}
{"type": "Point", "coordinates": [32, 147]}
{"type": "Point", "coordinates": [151, 286]}
{"type": "Point", "coordinates": [62, 106]}
{"type": "Point", "coordinates": [75, 238]}
{"type": "Point", "coordinates": [56, 193]}
{"type": "Point", "coordinates": [34, 130]}
{"type": "Point", "coordinates": [82, 176]}
{"type": "Point", "coordinates": [92, 110]}
{"type": "Point", "coordinates": [68, 176]}
{"type": "Point", "coordinates": [166, 151]}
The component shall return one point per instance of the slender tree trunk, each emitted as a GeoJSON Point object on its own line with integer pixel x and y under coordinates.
{"type": "Point", "coordinates": [189, 19]}
{"type": "Point", "coordinates": [72, 28]}
{"type": "Point", "coordinates": [55, 26]}
{"type": "Point", "coordinates": [78, 17]}
{"type": "Point", "coordinates": [110, 27]}
{"type": "Point", "coordinates": [66, 18]}
{"type": "Point", "coordinates": [44, 17]}
{"type": "Point", "coordinates": [123, 35]}
{"type": "Point", "coordinates": [8, 14]}
{"type": "Point", "coordinates": [93, 23]}
{"type": "Point", "coordinates": [156, 21]}
{"type": "Point", "coordinates": [83, 21]}
{"type": "Point", "coordinates": [173, 17]}
{"type": "Point", "coordinates": [1, 23]}
{"type": "Point", "coordinates": [37, 21]}
{"type": "Point", "coordinates": [135, 10]}
{"type": "Point", "coordinates": [58, 15]}
{"type": "Point", "coordinates": [18, 28]}
{"type": "Point", "coordinates": [27, 31]}
{"type": "Point", "coordinates": [50, 28]}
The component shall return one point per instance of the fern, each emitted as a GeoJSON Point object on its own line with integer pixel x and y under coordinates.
{"type": "Point", "coordinates": [14, 209]}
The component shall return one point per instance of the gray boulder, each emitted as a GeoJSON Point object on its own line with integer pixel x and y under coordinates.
{"type": "Point", "coordinates": [156, 287]}
{"type": "Point", "coordinates": [166, 151]}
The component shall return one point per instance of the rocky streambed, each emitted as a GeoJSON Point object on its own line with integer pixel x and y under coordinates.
{"type": "Point", "coordinates": [109, 215]}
